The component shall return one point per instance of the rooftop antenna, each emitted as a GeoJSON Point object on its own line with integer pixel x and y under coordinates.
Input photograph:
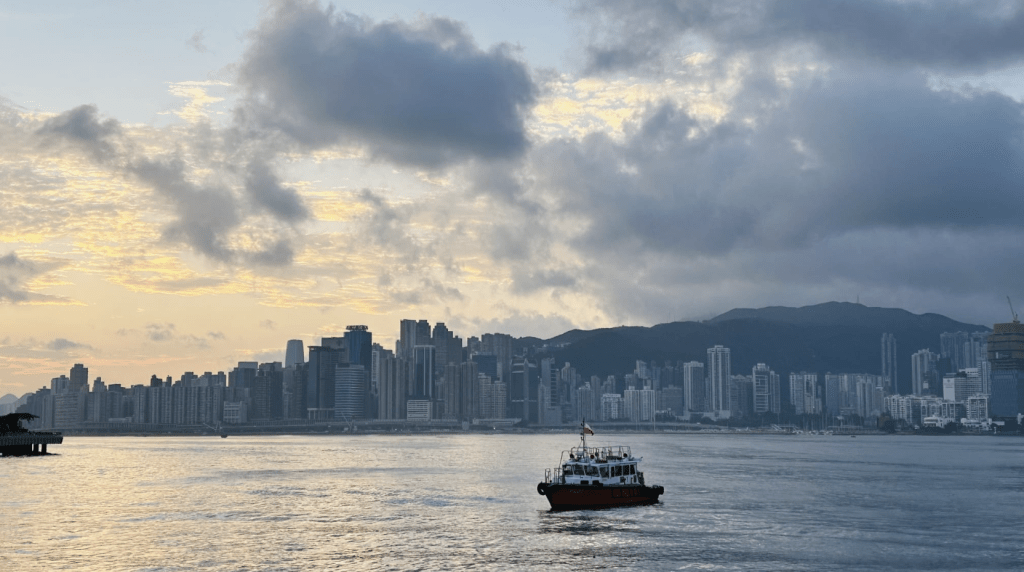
{"type": "Point", "coordinates": [1012, 313]}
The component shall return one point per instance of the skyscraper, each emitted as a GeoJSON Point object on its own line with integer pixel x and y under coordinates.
{"type": "Point", "coordinates": [694, 396]}
{"type": "Point", "coordinates": [320, 375]}
{"type": "Point", "coordinates": [955, 346]}
{"type": "Point", "coordinates": [762, 388]}
{"type": "Point", "coordinates": [922, 372]}
{"type": "Point", "coordinates": [294, 354]}
{"type": "Point", "coordinates": [1006, 354]}
{"type": "Point", "coordinates": [423, 381]}
{"type": "Point", "coordinates": [359, 343]}
{"type": "Point", "coordinates": [350, 392]}
{"type": "Point", "coordinates": [889, 371]}
{"type": "Point", "coordinates": [719, 372]}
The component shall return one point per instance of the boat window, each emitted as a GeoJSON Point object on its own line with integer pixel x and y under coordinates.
{"type": "Point", "coordinates": [578, 470]}
{"type": "Point", "coordinates": [591, 471]}
{"type": "Point", "coordinates": [631, 469]}
{"type": "Point", "coordinates": [604, 472]}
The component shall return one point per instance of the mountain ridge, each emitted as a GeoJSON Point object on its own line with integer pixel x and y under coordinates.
{"type": "Point", "coordinates": [837, 337]}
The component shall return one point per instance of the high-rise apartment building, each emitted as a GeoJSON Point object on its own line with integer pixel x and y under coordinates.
{"type": "Point", "coordinates": [890, 378]}
{"type": "Point", "coordinates": [923, 375]}
{"type": "Point", "coordinates": [694, 380]}
{"type": "Point", "coordinates": [719, 373]}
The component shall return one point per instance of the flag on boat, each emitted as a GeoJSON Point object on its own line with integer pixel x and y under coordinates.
{"type": "Point", "coordinates": [587, 430]}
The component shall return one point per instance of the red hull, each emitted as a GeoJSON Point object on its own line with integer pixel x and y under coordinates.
{"type": "Point", "coordinates": [571, 497]}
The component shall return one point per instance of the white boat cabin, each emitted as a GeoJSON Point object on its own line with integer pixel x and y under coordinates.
{"type": "Point", "coordinates": [608, 466]}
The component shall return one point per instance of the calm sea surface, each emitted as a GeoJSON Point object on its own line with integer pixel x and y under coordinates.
{"type": "Point", "coordinates": [457, 502]}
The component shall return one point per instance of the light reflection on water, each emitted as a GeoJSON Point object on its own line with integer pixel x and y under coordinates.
{"type": "Point", "coordinates": [442, 502]}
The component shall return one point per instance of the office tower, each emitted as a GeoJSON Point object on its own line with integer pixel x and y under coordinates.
{"type": "Point", "coordinates": [294, 354]}
{"type": "Point", "coordinates": [451, 391]}
{"type": "Point", "coordinates": [406, 339]}
{"type": "Point", "coordinates": [268, 391]}
{"type": "Point", "coordinates": [522, 385]}
{"type": "Point", "coordinates": [889, 370]}
{"type": "Point", "coordinates": [393, 385]}
{"type": "Point", "coordinates": [293, 399]}
{"type": "Point", "coordinates": [922, 372]}
{"type": "Point", "coordinates": [694, 382]}
{"type": "Point", "coordinates": [486, 363]}
{"type": "Point", "coordinates": [350, 392]}
{"type": "Point", "coordinates": [442, 338]}
{"type": "Point", "coordinates": [79, 378]}
{"type": "Point", "coordinates": [359, 343]}
{"type": "Point", "coordinates": [1006, 356]}
{"type": "Point", "coordinates": [320, 375]}
{"type": "Point", "coordinates": [719, 373]}
{"type": "Point", "coordinates": [469, 375]}
{"type": "Point", "coordinates": [423, 379]}
{"type": "Point", "coordinates": [501, 346]}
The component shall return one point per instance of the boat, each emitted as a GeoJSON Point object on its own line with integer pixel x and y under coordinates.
{"type": "Point", "coordinates": [597, 477]}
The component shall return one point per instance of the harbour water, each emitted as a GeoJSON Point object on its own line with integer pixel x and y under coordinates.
{"type": "Point", "coordinates": [468, 502]}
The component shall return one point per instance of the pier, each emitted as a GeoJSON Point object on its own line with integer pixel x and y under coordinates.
{"type": "Point", "coordinates": [16, 441]}
{"type": "Point", "coordinates": [28, 443]}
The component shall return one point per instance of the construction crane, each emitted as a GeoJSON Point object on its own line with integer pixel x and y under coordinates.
{"type": "Point", "coordinates": [1012, 313]}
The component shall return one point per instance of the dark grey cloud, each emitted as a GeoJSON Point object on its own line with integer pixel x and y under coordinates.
{"type": "Point", "coordinates": [62, 344]}
{"type": "Point", "coordinates": [160, 332]}
{"type": "Point", "coordinates": [946, 35]}
{"type": "Point", "coordinates": [14, 272]}
{"type": "Point", "coordinates": [208, 212]}
{"type": "Point", "coordinates": [267, 193]}
{"type": "Point", "coordinates": [858, 179]}
{"type": "Point", "coordinates": [82, 126]}
{"type": "Point", "coordinates": [421, 94]}
{"type": "Point", "coordinates": [852, 151]}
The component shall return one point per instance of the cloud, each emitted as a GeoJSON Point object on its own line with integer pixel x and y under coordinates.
{"type": "Point", "coordinates": [160, 332]}
{"type": "Point", "coordinates": [14, 272]}
{"type": "Point", "coordinates": [839, 181]}
{"type": "Point", "coordinates": [268, 324]}
{"type": "Point", "coordinates": [933, 34]}
{"type": "Point", "coordinates": [420, 94]}
{"type": "Point", "coordinates": [210, 211]}
{"type": "Point", "coordinates": [15, 275]}
{"type": "Point", "coordinates": [198, 42]}
{"type": "Point", "coordinates": [83, 127]}
{"type": "Point", "coordinates": [62, 344]}
{"type": "Point", "coordinates": [267, 193]}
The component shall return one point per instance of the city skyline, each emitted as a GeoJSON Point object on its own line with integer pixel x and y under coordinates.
{"type": "Point", "coordinates": [432, 377]}
{"type": "Point", "coordinates": [185, 185]}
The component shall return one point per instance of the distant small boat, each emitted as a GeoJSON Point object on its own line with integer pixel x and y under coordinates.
{"type": "Point", "coordinates": [223, 435]}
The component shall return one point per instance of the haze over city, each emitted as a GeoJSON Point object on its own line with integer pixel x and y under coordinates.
{"type": "Point", "coordinates": [189, 185]}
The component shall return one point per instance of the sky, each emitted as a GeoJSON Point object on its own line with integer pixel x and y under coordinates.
{"type": "Point", "coordinates": [188, 185]}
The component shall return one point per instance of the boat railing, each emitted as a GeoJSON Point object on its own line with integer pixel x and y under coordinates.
{"type": "Point", "coordinates": [599, 454]}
